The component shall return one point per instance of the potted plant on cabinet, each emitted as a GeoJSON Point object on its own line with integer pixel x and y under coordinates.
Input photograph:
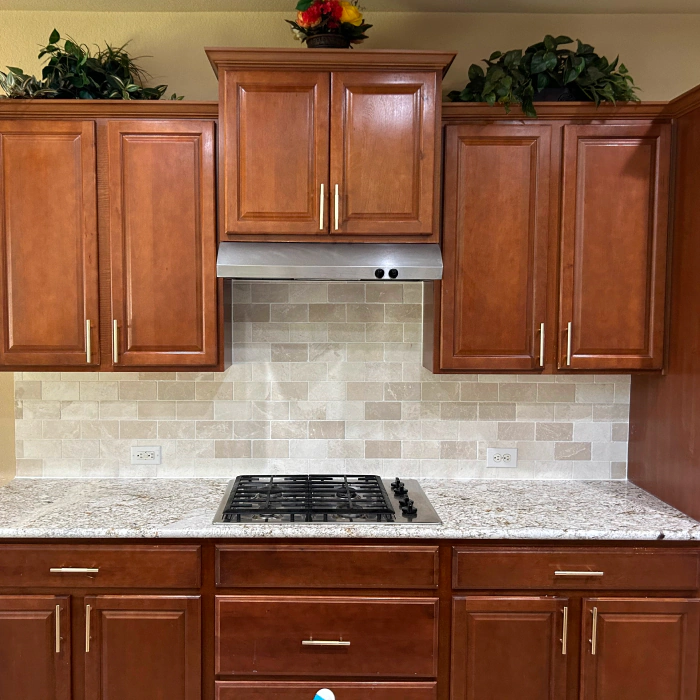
{"type": "Point", "coordinates": [544, 72]}
{"type": "Point", "coordinates": [329, 24]}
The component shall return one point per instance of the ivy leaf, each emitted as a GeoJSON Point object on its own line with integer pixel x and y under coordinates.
{"type": "Point", "coordinates": [55, 37]}
{"type": "Point", "coordinates": [304, 5]}
{"type": "Point", "coordinates": [563, 39]}
{"type": "Point", "coordinates": [475, 72]}
{"type": "Point", "coordinates": [539, 64]}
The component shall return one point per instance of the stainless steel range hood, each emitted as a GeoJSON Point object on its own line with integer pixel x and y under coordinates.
{"type": "Point", "coordinates": [330, 261]}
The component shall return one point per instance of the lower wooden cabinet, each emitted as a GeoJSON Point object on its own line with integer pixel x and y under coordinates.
{"type": "Point", "coordinates": [143, 648]}
{"type": "Point", "coordinates": [35, 648]}
{"type": "Point", "coordinates": [291, 690]}
{"type": "Point", "coordinates": [509, 648]}
{"type": "Point", "coordinates": [640, 648]}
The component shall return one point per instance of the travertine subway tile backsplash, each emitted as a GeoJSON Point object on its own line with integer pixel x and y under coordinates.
{"type": "Point", "coordinates": [327, 378]}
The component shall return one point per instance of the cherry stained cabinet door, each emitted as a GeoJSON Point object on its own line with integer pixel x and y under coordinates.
{"type": "Point", "coordinates": [35, 652]}
{"type": "Point", "coordinates": [495, 239]}
{"type": "Point", "coordinates": [509, 648]}
{"type": "Point", "coordinates": [613, 246]}
{"type": "Point", "coordinates": [163, 243]}
{"type": "Point", "coordinates": [274, 152]}
{"type": "Point", "coordinates": [384, 137]}
{"type": "Point", "coordinates": [48, 238]}
{"type": "Point", "coordinates": [640, 648]}
{"type": "Point", "coordinates": [143, 648]}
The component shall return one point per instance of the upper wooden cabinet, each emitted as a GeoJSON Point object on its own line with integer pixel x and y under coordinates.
{"type": "Point", "coordinates": [495, 236]}
{"type": "Point", "coordinates": [48, 232]}
{"type": "Point", "coordinates": [613, 246]}
{"type": "Point", "coordinates": [329, 144]}
{"type": "Point", "coordinates": [162, 243]}
{"type": "Point", "coordinates": [554, 242]}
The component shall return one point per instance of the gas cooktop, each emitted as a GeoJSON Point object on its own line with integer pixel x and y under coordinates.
{"type": "Point", "coordinates": [323, 498]}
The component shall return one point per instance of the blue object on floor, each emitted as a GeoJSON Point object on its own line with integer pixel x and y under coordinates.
{"type": "Point", "coordinates": [325, 694]}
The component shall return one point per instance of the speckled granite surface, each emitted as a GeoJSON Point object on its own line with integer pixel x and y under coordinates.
{"type": "Point", "coordinates": [488, 509]}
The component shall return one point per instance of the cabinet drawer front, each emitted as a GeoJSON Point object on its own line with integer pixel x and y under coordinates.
{"type": "Point", "coordinates": [290, 690]}
{"type": "Point", "coordinates": [95, 566]}
{"type": "Point", "coordinates": [567, 568]}
{"type": "Point", "coordinates": [292, 566]}
{"type": "Point", "coordinates": [326, 637]}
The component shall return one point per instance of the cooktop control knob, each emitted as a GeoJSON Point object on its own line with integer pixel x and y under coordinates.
{"type": "Point", "coordinates": [379, 273]}
{"type": "Point", "coordinates": [393, 273]}
{"type": "Point", "coordinates": [398, 487]}
{"type": "Point", "coordinates": [407, 507]}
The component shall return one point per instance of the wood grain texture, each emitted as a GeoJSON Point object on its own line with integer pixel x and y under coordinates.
{"type": "Point", "coordinates": [144, 648]}
{"type": "Point", "coordinates": [389, 637]}
{"type": "Point", "coordinates": [613, 249]}
{"type": "Point", "coordinates": [48, 239]}
{"type": "Point", "coordinates": [30, 666]}
{"type": "Point", "coordinates": [644, 649]}
{"type": "Point", "coordinates": [163, 242]}
{"type": "Point", "coordinates": [292, 690]}
{"type": "Point", "coordinates": [273, 152]}
{"type": "Point", "coordinates": [508, 648]}
{"type": "Point", "coordinates": [107, 109]}
{"type": "Point", "coordinates": [120, 565]}
{"type": "Point", "coordinates": [665, 410]}
{"type": "Point", "coordinates": [383, 152]}
{"type": "Point", "coordinates": [341, 566]}
{"type": "Point", "coordinates": [495, 243]}
{"type": "Point", "coordinates": [623, 569]}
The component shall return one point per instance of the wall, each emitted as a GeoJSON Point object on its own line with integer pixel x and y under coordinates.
{"type": "Point", "coordinates": [327, 378]}
{"type": "Point", "coordinates": [661, 51]}
{"type": "Point", "coordinates": [7, 428]}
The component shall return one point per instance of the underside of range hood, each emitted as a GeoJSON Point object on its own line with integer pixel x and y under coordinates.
{"type": "Point", "coordinates": [330, 261]}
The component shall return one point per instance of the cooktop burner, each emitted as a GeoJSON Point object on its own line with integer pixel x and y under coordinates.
{"type": "Point", "coordinates": [318, 498]}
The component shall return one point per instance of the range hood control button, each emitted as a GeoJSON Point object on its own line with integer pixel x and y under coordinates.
{"type": "Point", "coordinates": [379, 274]}
{"type": "Point", "coordinates": [393, 274]}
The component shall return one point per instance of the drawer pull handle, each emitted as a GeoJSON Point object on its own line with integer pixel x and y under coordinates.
{"type": "Point", "coordinates": [87, 628]}
{"type": "Point", "coordinates": [579, 573]}
{"type": "Point", "coordinates": [594, 632]}
{"type": "Point", "coordinates": [322, 643]}
{"type": "Point", "coordinates": [565, 630]}
{"type": "Point", "coordinates": [58, 629]}
{"type": "Point", "coordinates": [73, 570]}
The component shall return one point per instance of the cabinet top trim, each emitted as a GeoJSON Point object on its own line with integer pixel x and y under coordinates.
{"type": "Point", "coordinates": [108, 109]}
{"type": "Point", "coordinates": [328, 59]}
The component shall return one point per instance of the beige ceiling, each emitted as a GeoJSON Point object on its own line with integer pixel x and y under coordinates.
{"type": "Point", "coordinates": [529, 6]}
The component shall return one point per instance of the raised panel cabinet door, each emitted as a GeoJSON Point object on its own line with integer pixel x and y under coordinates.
{"type": "Point", "coordinates": [274, 152]}
{"type": "Point", "coordinates": [613, 246]}
{"type": "Point", "coordinates": [163, 243]}
{"type": "Point", "coordinates": [640, 648]}
{"type": "Point", "coordinates": [509, 648]}
{"type": "Point", "coordinates": [296, 690]}
{"type": "Point", "coordinates": [143, 648]}
{"type": "Point", "coordinates": [49, 302]}
{"type": "Point", "coordinates": [495, 241]}
{"type": "Point", "coordinates": [35, 648]}
{"type": "Point", "coordinates": [384, 135]}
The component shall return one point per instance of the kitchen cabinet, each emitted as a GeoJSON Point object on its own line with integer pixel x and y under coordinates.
{"type": "Point", "coordinates": [294, 690]}
{"type": "Point", "coordinates": [162, 243]}
{"type": "Point", "coordinates": [142, 647]}
{"type": "Point", "coordinates": [330, 146]}
{"type": "Point", "coordinates": [35, 647]}
{"type": "Point", "coordinates": [613, 246]}
{"type": "Point", "coordinates": [640, 648]}
{"type": "Point", "coordinates": [495, 242]}
{"type": "Point", "coordinates": [509, 648]}
{"type": "Point", "coordinates": [49, 302]}
{"type": "Point", "coordinates": [555, 242]}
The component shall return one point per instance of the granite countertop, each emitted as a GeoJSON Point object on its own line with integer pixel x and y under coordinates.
{"type": "Point", "coordinates": [475, 509]}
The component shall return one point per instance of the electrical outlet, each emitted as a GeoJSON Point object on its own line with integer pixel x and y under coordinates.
{"type": "Point", "coordinates": [145, 455]}
{"type": "Point", "coordinates": [504, 457]}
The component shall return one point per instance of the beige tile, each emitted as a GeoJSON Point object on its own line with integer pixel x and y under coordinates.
{"type": "Point", "coordinates": [497, 411]}
{"type": "Point", "coordinates": [535, 411]}
{"type": "Point", "coordinates": [346, 293]}
{"type": "Point", "coordinates": [440, 391]}
{"type": "Point", "coordinates": [308, 410]}
{"type": "Point", "coordinates": [233, 410]}
{"type": "Point", "coordinates": [347, 332]}
{"type": "Point", "coordinates": [289, 352]}
{"type": "Point", "coordinates": [326, 430]}
{"type": "Point", "coordinates": [268, 410]}
{"type": "Point", "coordinates": [289, 429]}
{"type": "Point", "coordinates": [99, 429]}
{"type": "Point", "coordinates": [118, 409]}
{"type": "Point", "coordinates": [364, 429]}
{"type": "Point", "coordinates": [591, 470]}
{"type": "Point", "coordinates": [616, 413]}
{"type": "Point", "coordinates": [517, 393]}
{"type": "Point", "coordinates": [327, 313]}
{"type": "Point", "coordinates": [403, 313]}
{"type": "Point", "coordinates": [595, 393]}
{"type": "Point", "coordinates": [36, 410]}
{"type": "Point", "coordinates": [213, 391]}
{"type": "Point", "coordinates": [365, 313]}
{"type": "Point", "coordinates": [573, 412]}
{"type": "Point", "coordinates": [326, 391]}
{"type": "Point", "coordinates": [138, 391]}
{"type": "Point", "coordinates": [250, 430]}
{"type": "Point", "coordinates": [453, 449]}
{"type": "Point", "coordinates": [574, 451]}
{"type": "Point", "coordinates": [420, 449]}
{"type": "Point", "coordinates": [30, 467]}
{"type": "Point", "coordinates": [289, 391]}
{"type": "Point", "coordinates": [258, 391]}
{"type": "Point", "coordinates": [383, 410]}
{"type": "Point", "coordinates": [620, 432]}
{"type": "Point", "coordinates": [157, 410]}
{"type": "Point", "coordinates": [61, 429]}
{"type": "Point", "coordinates": [156, 376]}
{"type": "Point", "coordinates": [346, 449]}
{"type": "Point", "coordinates": [251, 313]}
{"type": "Point", "coordinates": [516, 431]}
{"type": "Point", "coordinates": [138, 429]}
{"type": "Point", "coordinates": [232, 448]}
{"type": "Point", "coordinates": [365, 352]}
{"type": "Point", "coordinates": [327, 352]}
{"type": "Point", "coordinates": [382, 449]}
{"type": "Point", "coordinates": [384, 293]}
{"type": "Point", "coordinates": [214, 429]}
{"type": "Point", "coordinates": [556, 393]}
{"type": "Point", "coordinates": [308, 292]}
{"type": "Point", "coordinates": [554, 432]}
{"type": "Point", "coordinates": [402, 391]}
{"type": "Point", "coordinates": [27, 390]}
{"type": "Point", "coordinates": [308, 332]}
{"type": "Point", "coordinates": [365, 391]}
{"type": "Point", "coordinates": [618, 470]}
{"type": "Point", "coordinates": [195, 410]}
{"type": "Point", "coordinates": [479, 391]}
{"type": "Point", "coordinates": [176, 430]}
{"type": "Point", "coordinates": [459, 411]}
{"type": "Point", "coordinates": [271, 448]}
{"type": "Point", "coordinates": [42, 449]}
{"type": "Point", "coordinates": [384, 332]}
{"type": "Point", "coordinates": [176, 391]}
{"type": "Point", "coordinates": [60, 391]}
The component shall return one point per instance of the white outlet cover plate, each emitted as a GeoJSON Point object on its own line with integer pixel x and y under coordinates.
{"type": "Point", "coordinates": [146, 454]}
{"type": "Point", "coordinates": [502, 458]}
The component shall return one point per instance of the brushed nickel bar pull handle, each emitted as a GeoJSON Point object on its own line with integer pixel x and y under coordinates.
{"type": "Point", "coordinates": [337, 207]}
{"type": "Point", "coordinates": [73, 570]}
{"type": "Point", "coordinates": [115, 341]}
{"type": "Point", "coordinates": [58, 629]}
{"type": "Point", "coordinates": [565, 630]}
{"type": "Point", "coordinates": [579, 573]}
{"type": "Point", "coordinates": [541, 344]}
{"type": "Point", "coordinates": [87, 629]}
{"type": "Point", "coordinates": [322, 643]}
{"type": "Point", "coordinates": [88, 341]}
{"type": "Point", "coordinates": [594, 632]}
{"type": "Point", "coordinates": [568, 344]}
{"type": "Point", "coordinates": [322, 217]}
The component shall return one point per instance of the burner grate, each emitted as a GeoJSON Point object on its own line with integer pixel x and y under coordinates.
{"type": "Point", "coordinates": [308, 498]}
